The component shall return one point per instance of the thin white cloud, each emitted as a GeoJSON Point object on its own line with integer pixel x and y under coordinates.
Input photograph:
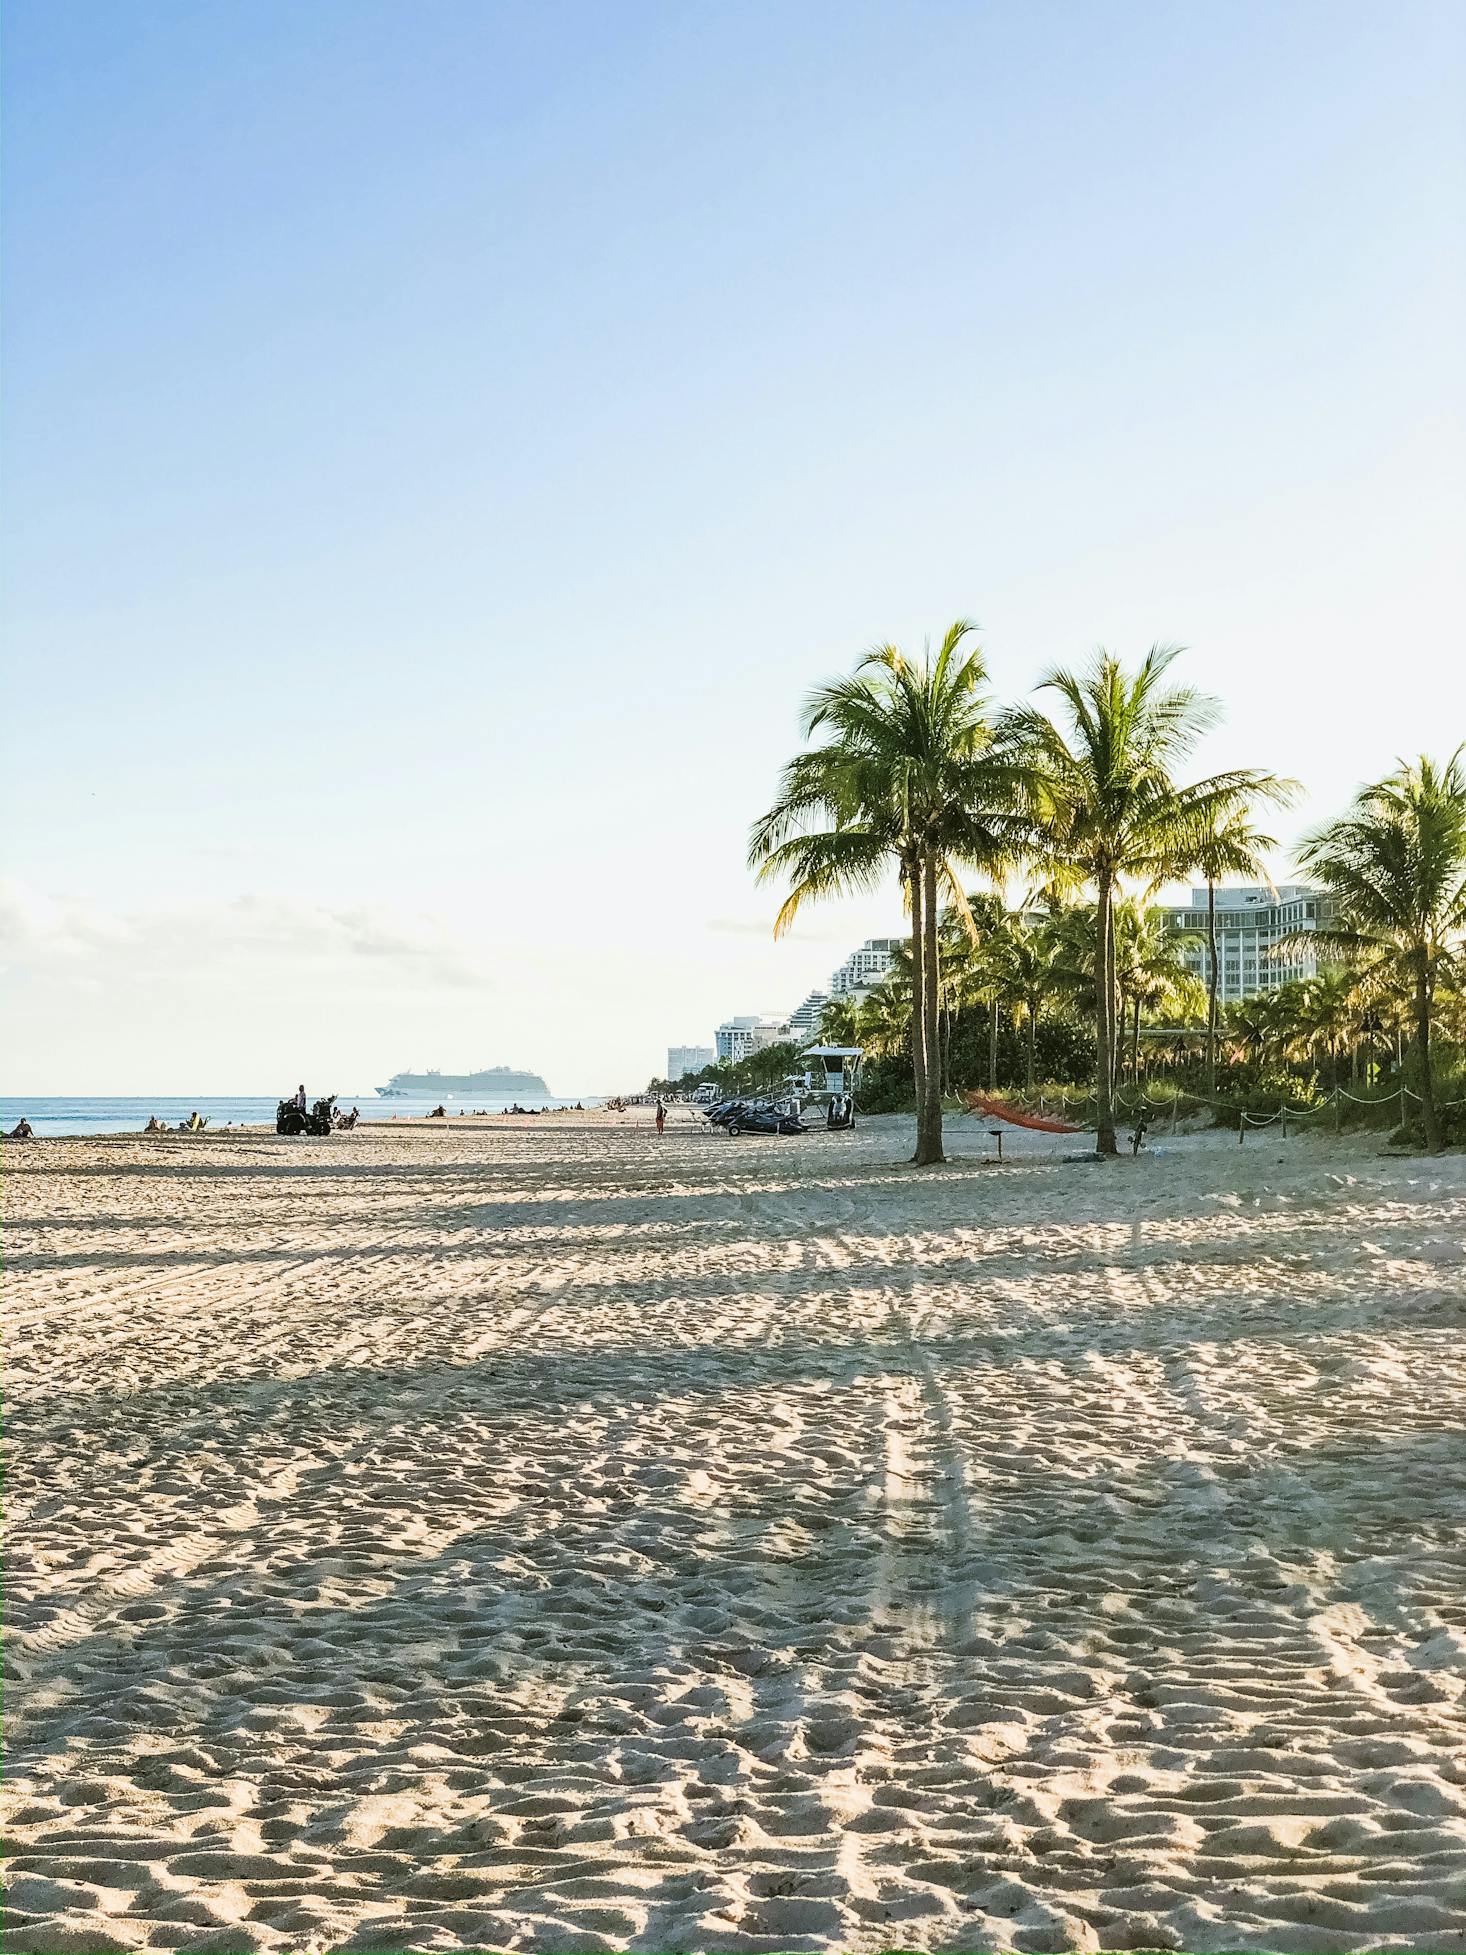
{"type": "Point", "coordinates": [44, 937]}
{"type": "Point", "coordinates": [33, 925]}
{"type": "Point", "coordinates": [763, 927]}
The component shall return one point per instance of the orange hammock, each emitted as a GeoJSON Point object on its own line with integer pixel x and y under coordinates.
{"type": "Point", "coordinates": [1000, 1110]}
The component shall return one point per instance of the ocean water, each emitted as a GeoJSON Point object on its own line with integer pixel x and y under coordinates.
{"type": "Point", "coordinates": [68, 1114]}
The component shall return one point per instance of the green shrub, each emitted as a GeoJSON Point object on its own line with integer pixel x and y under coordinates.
{"type": "Point", "coordinates": [1412, 1132]}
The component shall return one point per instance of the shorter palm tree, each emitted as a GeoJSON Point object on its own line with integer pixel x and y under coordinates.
{"type": "Point", "coordinates": [1229, 845]}
{"type": "Point", "coordinates": [839, 1022]}
{"type": "Point", "coordinates": [1150, 969]}
{"type": "Point", "coordinates": [973, 970]}
{"type": "Point", "coordinates": [1395, 866]}
{"type": "Point", "coordinates": [1326, 1018]}
{"type": "Point", "coordinates": [883, 1023]}
{"type": "Point", "coordinates": [1036, 967]}
{"type": "Point", "coordinates": [1257, 1030]}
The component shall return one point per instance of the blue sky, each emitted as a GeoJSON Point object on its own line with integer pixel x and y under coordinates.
{"type": "Point", "coordinates": [444, 443]}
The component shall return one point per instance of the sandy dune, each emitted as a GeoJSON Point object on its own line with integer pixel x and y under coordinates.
{"type": "Point", "coordinates": [533, 1536]}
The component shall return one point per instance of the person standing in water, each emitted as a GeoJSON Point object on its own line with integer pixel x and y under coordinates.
{"type": "Point", "coordinates": [661, 1118]}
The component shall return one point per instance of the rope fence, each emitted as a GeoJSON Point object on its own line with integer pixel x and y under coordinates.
{"type": "Point", "coordinates": [1245, 1118]}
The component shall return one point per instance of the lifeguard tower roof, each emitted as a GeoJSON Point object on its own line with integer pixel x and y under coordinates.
{"type": "Point", "coordinates": [832, 1052]}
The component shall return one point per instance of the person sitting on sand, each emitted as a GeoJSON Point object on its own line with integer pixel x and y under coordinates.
{"type": "Point", "coordinates": [155, 1125]}
{"type": "Point", "coordinates": [22, 1130]}
{"type": "Point", "coordinates": [438, 1113]}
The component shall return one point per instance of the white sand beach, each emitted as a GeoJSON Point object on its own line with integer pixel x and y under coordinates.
{"type": "Point", "coordinates": [523, 1534]}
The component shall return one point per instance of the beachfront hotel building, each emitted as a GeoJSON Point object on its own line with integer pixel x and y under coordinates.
{"type": "Point", "coordinates": [737, 1037]}
{"type": "Point", "coordinates": [685, 1059]}
{"type": "Point", "coordinates": [863, 969]}
{"type": "Point", "coordinates": [1251, 924]}
{"type": "Point", "coordinates": [804, 1023]}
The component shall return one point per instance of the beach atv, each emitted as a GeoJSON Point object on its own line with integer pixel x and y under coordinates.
{"type": "Point", "coordinates": [290, 1120]}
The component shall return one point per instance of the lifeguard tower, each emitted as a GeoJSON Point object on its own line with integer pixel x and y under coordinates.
{"type": "Point", "coordinates": [839, 1066]}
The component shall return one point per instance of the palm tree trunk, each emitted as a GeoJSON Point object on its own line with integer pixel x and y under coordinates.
{"type": "Point", "coordinates": [993, 1044]}
{"type": "Point", "coordinates": [1135, 1046]}
{"type": "Point", "coordinates": [1430, 1118]}
{"type": "Point", "coordinates": [1211, 987]}
{"type": "Point", "coordinates": [929, 1117]}
{"type": "Point", "coordinates": [1117, 1016]}
{"type": "Point", "coordinates": [1104, 1002]}
{"type": "Point", "coordinates": [918, 996]}
{"type": "Point", "coordinates": [1032, 1040]}
{"type": "Point", "coordinates": [1119, 1011]}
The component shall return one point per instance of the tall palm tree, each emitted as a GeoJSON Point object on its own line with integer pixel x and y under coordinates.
{"type": "Point", "coordinates": [1229, 845]}
{"type": "Point", "coordinates": [1105, 797]}
{"type": "Point", "coordinates": [1396, 866]}
{"type": "Point", "coordinates": [907, 775]}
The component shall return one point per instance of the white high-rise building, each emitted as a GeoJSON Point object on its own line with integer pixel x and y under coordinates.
{"type": "Point", "coordinates": [863, 969]}
{"type": "Point", "coordinates": [737, 1037]}
{"type": "Point", "coordinates": [685, 1059]}
{"type": "Point", "coordinates": [1250, 925]}
{"type": "Point", "coordinates": [804, 1023]}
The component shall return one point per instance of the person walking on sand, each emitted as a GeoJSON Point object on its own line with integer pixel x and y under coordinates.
{"type": "Point", "coordinates": [661, 1119]}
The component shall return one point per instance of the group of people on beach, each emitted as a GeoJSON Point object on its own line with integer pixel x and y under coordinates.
{"type": "Point", "coordinates": [343, 1122]}
{"type": "Point", "coordinates": [482, 1112]}
{"type": "Point", "coordinates": [195, 1124]}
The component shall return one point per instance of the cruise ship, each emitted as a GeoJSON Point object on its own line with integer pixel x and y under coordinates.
{"type": "Point", "coordinates": [492, 1083]}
